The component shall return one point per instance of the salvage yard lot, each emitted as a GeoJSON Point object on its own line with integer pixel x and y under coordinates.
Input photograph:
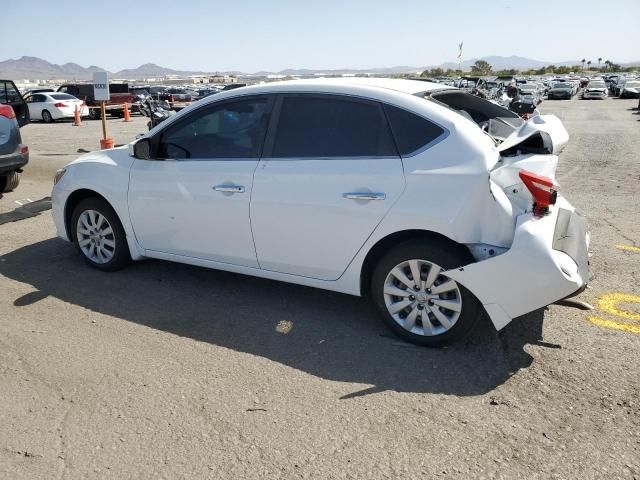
{"type": "Point", "coordinates": [171, 371]}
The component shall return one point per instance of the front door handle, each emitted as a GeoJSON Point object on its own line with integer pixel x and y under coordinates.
{"type": "Point", "coordinates": [364, 196]}
{"type": "Point", "coordinates": [229, 188]}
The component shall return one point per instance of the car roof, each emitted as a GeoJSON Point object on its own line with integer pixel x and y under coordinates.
{"type": "Point", "coordinates": [349, 85]}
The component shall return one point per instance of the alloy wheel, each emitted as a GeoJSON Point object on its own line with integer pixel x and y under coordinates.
{"type": "Point", "coordinates": [95, 236]}
{"type": "Point", "coordinates": [421, 299]}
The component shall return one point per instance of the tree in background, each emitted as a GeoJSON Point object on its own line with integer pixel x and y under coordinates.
{"type": "Point", "coordinates": [506, 73]}
{"type": "Point", "coordinates": [481, 67]}
{"type": "Point", "coordinates": [599, 60]}
{"type": "Point", "coordinates": [583, 62]}
{"type": "Point", "coordinates": [434, 72]}
{"type": "Point", "coordinates": [589, 64]}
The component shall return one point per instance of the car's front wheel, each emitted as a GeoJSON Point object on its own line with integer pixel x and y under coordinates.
{"type": "Point", "coordinates": [99, 235]}
{"type": "Point", "coordinates": [417, 301]}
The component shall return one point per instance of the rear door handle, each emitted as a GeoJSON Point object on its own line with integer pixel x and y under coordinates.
{"type": "Point", "coordinates": [364, 196]}
{"type": "Point", "coordinates": [229, 188]}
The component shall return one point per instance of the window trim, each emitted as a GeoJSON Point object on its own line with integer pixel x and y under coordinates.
{"type": "Point", "coordinates": [156, 138]}
{"type": "Point", "coordinates": [269, 143]}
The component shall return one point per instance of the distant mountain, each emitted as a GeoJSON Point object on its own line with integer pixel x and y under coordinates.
{"type": "Point", "coordinates": [502, 63]}
{"type": "Point", "coordinates": [152, 70]}
{"type": "Point", "coordinates": [34, 68]}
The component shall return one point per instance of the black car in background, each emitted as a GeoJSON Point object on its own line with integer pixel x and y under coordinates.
{"type": "Point", "coordinates": [13, 153]}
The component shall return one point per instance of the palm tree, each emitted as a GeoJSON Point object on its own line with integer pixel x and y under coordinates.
{"type": "Point", "coordinates": [607, 63]}
{"type": "Point", "coordinates": [599, 60]}
{"type": "Point", "coordinates": [589, 63]}
{"type": "Point", "coordinates": [583, 61]}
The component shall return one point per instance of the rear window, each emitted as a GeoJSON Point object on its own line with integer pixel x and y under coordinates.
{"type": "Point", "coordinates": [118, 88]}
{"type": "Point", "coordinates": [62, 96]}
{"type": "Point", "coordinates": [411, 131]}
{"type": "Point", "coordinates": [331, 126]}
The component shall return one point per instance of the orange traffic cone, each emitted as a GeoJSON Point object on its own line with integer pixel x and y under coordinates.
{"type": "Point", "coordinates": [76, 117]}
{"type": "Point", "coordinates": [127, 116]}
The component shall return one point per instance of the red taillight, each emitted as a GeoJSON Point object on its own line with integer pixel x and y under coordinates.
{"type": "Point", "coordinates": [541, 189]}
{"type": "Point", "coordinates": [60, 105]}
{"type": "Point", "coordinates": [7, 111]}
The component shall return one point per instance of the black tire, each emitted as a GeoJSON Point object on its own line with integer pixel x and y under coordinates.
{"type": "Point", "coordinates": [9, 182]}
{"type": "Point", "coordinates": [121, 256]}
{"type": "Point", "coordinates": [446, 255]}
{"type": "Point", "coordinates": [46, 117]}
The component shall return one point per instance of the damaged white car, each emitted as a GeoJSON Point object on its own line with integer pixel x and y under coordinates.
{"type": "Point", "coordinates": [436, 204]}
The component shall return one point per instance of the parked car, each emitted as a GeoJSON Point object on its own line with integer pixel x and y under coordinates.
{"type": "Point", "coordinates": [616, 85]}
{"type": "Point", "coordinates": [14, 155]}
{"type": "Point", "coordinates": [118, 93]}
{"type": "Point", "coordinates": [630, 89]}
{"type": "Point", "coordinates": [530, 93]}
{"type": "Point", "coordinates": [50, 107]}
{"type": "Point", "coordinates": [595, 89]}
{"type": "Point", "coordinates": [39, 90]}
{"type": "Point", "coordinates": [561, 90]}
{"type": "Point", "coordinates": [434, 203]}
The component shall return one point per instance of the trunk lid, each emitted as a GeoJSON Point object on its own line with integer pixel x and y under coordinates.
{"type": "Point", "coordinates": [541, 134]}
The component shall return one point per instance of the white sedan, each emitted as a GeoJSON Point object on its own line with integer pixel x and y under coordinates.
{"type": "Point", "coordinates": [436, 204]}
{"type": "Point", "coordinates": [50, 107]}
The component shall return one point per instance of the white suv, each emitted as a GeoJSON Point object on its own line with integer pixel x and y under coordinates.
{"type": "Point", "coordinates": [437, 204]}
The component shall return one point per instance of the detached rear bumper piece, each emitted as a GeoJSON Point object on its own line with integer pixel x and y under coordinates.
{"type": "Point", "coordinates": [547, 261]}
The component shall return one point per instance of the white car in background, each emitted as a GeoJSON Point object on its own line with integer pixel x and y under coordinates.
{"type": "Point", "coordinates": [53, 106]}
{"type": "Point", "coordinates": [595, 89]}
{"type": "Point", "coordinates": [630, 89]}
{"type": "Point", "coordinates": [436, 204]}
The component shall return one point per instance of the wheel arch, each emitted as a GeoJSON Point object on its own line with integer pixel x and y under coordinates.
{"type": "Point", "coordinates": [382, 246]}
{"type": "Point", "coordinates": [72, 201]}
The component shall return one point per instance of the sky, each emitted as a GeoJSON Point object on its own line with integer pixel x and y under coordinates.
{"type": "Point", "coordinates": [272, 35]}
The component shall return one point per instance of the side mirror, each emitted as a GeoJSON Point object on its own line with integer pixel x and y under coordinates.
{"type": "Point", "coordinates": [142, 149]}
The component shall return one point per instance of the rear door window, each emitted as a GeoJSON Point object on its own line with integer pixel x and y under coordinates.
{"type": "Point", "coordinates": [330, 126]}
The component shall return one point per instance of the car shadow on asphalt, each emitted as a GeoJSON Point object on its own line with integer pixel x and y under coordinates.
{"type": "Point", "coordinates": [333, 336]}
{"type": "Point", "coordinates": [28, 210]}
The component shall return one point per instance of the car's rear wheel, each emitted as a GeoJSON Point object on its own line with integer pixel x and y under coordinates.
{"type": "Point", "coordinates": [46, 116]}
{"type": "Point", "coordinates": [9, 182]}
{"type": "Point", "coordinates": [417, 301]}
{"type": "Point", "coordinates": [99, 235]}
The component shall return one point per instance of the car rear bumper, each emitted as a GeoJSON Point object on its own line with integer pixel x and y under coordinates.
{"type": "Point", "coordinates": [15, 160]}
{"type": "Point", "coordinates": [547, 261]}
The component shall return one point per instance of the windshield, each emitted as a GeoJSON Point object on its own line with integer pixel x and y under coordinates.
{"type": "Point", "coordinates": [633, 84]}
{"type": "Point", "coordinates": [596, 85]}
{"type": "Point", "coordinates": [562, 85]}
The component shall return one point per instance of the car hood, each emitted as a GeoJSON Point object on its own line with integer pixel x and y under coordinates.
{"type": "Point", "coordinates": [116, 157]}
{"type": "Point", "coordinates": [551, 129]}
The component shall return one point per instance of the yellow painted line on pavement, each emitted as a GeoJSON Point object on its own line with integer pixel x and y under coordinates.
{"type": "Point", "coordinates": [609, 303]}
{"type": "Point", "coordinates": [629, 248]}
{"type": "Point", "coordinates": [625, 327]}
